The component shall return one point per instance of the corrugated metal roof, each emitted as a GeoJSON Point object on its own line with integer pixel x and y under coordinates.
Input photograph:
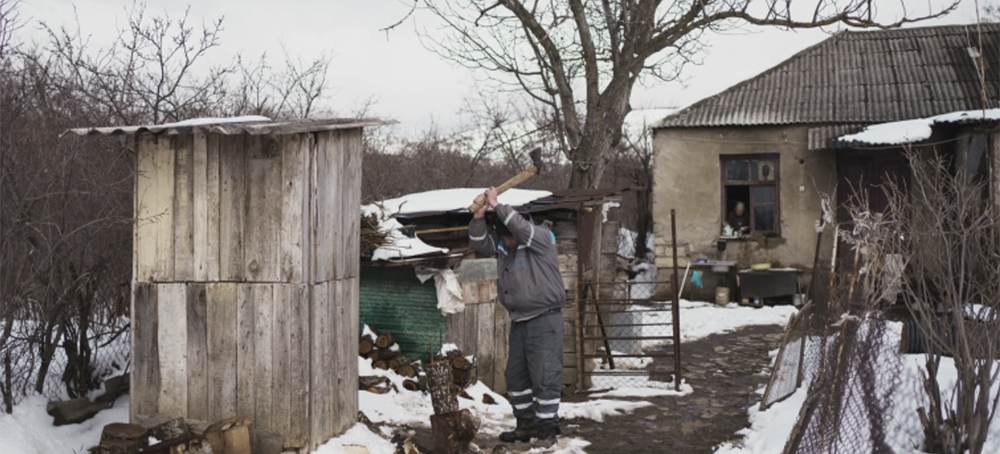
{"type": "Point", "coordinates": [862, 77]}
{"type": "Point", "coordinates": [820, 138]}
{"type": "Point", "coordinates": [242, 125]}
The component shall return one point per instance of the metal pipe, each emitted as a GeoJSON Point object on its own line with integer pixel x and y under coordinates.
{"type": "Point", "coordinates": [676, 306]}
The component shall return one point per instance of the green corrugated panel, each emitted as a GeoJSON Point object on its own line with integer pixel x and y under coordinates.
{"type": "Point", "coordinates": [394, 300]}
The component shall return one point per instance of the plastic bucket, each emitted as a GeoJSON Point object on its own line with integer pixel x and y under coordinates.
{"type": "Point", "coordinates": [722, 296]}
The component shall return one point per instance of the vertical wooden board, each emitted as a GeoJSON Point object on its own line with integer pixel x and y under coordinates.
{"type": "Point", "coordinates": [263, 339]}
{"type": "Point", "coordinates": [293, 186]}
{"type": "Point", "coordinates": [161, 201]}
{"type": "Point", "coordinates": [153, 209]}
{"type": "Point", "coordinates": [299, 370]}
{"type": "Point", "coordinates": [212, 188]}
{"type": "Point", "coordinates": [172, 341]}
{"type": "Point", "coordinates": [327, 206]}
{"type": "Point", "coordinates": [197, 352]}
{"type": "Point", "coordinates": [321, 395]}
{"type": "Point", "coordinates": [350, 259]}
{"type": "Point", "coordinates": [280, 361]}
{"type": "Point", "coordinates": [145, 377]}
{"type": "Point", "coordinates": [199, 206]}
{"type": "Point", "coordinates": [232, 207]}
{"type": "Point", "coordinates": [263, 215]}
{"type": "Point", "coordinates": [486, 348]}
{"type": "Point", "coordinates": [308, 199]}
{"type": "Point", "coordinates": [345, 349]}
{"type": "Point", "coordinates": [221, 313]}
{"type": "Point", "coordinates": [502, 334]}
{"type": "Point", "coordinates": [245, 351]}
{"type": "Point", "coordinates": [183, 219]}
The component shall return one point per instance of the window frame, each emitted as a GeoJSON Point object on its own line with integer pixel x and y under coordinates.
{"type": "Point", "coordinates": [776, 183]}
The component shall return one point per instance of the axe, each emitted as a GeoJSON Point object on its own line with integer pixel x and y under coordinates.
{"type": "Point", "coordinates": [534, 169]}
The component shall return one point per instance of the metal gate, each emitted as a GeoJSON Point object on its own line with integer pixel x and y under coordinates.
{"type": "Point", "coordinates": [626, 336]}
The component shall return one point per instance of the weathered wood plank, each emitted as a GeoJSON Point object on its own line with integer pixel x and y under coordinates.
{"type": "Point", "coordinates": [263, 215]}
{"type": "Point", "coordinates": [245, 351]}
{"type": "Point", "coordinates": [145, 376]}
{"type": "Point", "coordinates": [221, 314]}
{"type": "Point", "coordinates": [321, 398]}
{"type": "Point", "coordinates": [293, 184]}
{"type": "Point", "coordinates": [263, 340]}
{"type": "Point", "coordinates": [232, 207]}
{"type": "Point", "coordinates": [349, 252]}
{"type": "Point", "coordinates": [298, 382]}
{"type": "Point", "coordinates": [212, 188]}
{"type": "Point", "coordinates": [502, 333]}
{"type": "Point", "coordinates": [197, 352]}
{"type": "Point", "coordinates": [344, 360]}
{"type": "Point", "coordinates": [143, 241]}
{"type": "Point", "coordinates": [487, 347]}
{"type": "Point", "coordinates": [183, 199]}
{"type": "Point", "coordinates": [199, 206]}
{"type": "Point", "coordinates": [327, 205]}
{"type": "Point", "coordinates": [161, 202]}
{"type": "Point", "coordinates": [282, 363]}
{"type": "Point", "coordinates": [172, 341]}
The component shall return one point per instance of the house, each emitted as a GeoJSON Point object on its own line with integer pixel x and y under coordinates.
{"type": "Point", "coordinates": [770, 141]}
{"type": "Point", "coordinates": [393, 299]}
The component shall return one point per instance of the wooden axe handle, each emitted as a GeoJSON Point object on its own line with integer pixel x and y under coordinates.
{"type": "Point", "coordinates": [513, 181]}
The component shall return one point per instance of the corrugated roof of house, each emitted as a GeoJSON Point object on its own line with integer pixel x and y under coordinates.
{"type": "Point", "coordinates": [863, 77]}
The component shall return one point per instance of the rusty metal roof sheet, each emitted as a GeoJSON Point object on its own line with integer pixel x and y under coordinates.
{"type": "Point", "coordinates": [863, 77]}
{"type": "Point", "coordinates": [253, 125]}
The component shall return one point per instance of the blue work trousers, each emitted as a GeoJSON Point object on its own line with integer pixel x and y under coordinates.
{"type": "Point", "coordinates": [534, 370]}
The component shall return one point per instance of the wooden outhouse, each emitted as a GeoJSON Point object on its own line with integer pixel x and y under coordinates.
{"type": "Point", "coordinates": [245, 273]}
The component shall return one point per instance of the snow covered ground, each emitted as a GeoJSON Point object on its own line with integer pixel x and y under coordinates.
{"type": "Point", "coordinates": [29, 429]}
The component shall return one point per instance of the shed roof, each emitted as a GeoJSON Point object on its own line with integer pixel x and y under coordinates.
{"type": "Point", "coordinates": [863, 77]}
{"type": "Point", "coordinates": [254, 125]}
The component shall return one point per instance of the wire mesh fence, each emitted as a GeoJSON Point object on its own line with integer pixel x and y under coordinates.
{"type": "Point", "coordinates": [23, 371]}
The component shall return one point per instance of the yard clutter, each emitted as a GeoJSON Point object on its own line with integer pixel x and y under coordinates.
{"type": "Point", "coordinates": [162, 434]}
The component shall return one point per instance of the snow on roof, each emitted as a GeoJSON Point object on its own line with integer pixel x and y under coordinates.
{"type": "Point", "coordinates": [399, 246]}
{"type": "Point", "coordinates": [916, 130]}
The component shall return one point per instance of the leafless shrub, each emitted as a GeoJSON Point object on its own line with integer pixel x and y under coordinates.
{"type": "Point", "coordinates": [937, 247]}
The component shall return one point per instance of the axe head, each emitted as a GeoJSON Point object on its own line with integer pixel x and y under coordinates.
{"type": "Point", "coordinates": [536, 159]}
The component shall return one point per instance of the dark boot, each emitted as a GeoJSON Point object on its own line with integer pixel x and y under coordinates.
{"type": "Point", "coordinates": [524, 431]}
{"type": "Point", "coordinates": [545, 437]}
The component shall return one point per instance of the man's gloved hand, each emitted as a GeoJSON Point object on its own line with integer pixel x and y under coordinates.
{"type": "Point", "coordinates": [491, 197]}
{"type": "Point", "coordinates": [480, 201]}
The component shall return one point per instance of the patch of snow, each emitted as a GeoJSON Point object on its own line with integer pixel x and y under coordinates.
{"type": "Point", "coordinates": [647, 390]}
{"type": "Point", "coordinates": [915, 130]}
{"type": "Point", "coordinates": [359, 435]}
{"type": "Point", "coordinates": [598, 409]}
{"type": "Point", "coordinates": [29, 429]}
{"type": "Point", "coordinates": [448, 348]}
{"type": "Point", "coordinates": [216, 120]}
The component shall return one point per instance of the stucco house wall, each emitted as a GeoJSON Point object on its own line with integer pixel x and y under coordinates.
{"type": "Point", "coordinates": [687, 178]}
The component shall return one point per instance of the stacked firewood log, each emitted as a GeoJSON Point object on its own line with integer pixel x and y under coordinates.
{"type": "Point", "coordinates": [386, 355]}
{"type": "Point", "coordinates": [463, 370]}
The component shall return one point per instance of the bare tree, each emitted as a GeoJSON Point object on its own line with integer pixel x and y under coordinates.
{"type": "Point", "coordinates": [582, 59]}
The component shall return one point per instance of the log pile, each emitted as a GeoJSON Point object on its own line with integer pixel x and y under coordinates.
{"type": "Point", "coordinates": [163, 434]}
{"type": "Point", "coordinates": [386, 355]}
{"type": "Point", "coordinates": [463, 370]}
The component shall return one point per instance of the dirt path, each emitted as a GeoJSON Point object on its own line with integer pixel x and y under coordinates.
{"type": "Point", "coordinates": [725, 371]}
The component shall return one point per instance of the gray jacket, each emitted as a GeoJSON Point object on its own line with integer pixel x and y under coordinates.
{"type": "Point", "coordinates": [528, 281]}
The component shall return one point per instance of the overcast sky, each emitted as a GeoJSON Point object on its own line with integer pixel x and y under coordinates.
{"type": "Point", "coordinates": [406, 81]}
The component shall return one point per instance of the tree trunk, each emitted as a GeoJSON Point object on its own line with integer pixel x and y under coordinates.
{"type": "Point", "coordinates": [601, 133]}
{"type": "Point", "coordinates": [439, 383]}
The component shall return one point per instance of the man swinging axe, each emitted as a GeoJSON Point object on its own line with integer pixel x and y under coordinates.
{"type": "Point", "coordinates": [530, 287]}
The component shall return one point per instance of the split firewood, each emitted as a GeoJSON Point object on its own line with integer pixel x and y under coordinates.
{"type": "Point", "coordinates": [411, 385]}
{"type": "Point", "coordinates": [381, 364]}
{"type": "Point", "coordinates": [489, 400]}
{"type": "Point", "coordinates": [465, 395]}
{"type": "Point", "coordinates": [368, 382]}
{"type": "Point", "coordinates": [229, 436]}
{"type": "Point", "coordinates": [459, 362]}
{"type": "Point", "coordinates": [407, 370]}
{"type": "Point", "coordinates": [366, 346]}
{"type": "Point", "coordinates": [384, 341]}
